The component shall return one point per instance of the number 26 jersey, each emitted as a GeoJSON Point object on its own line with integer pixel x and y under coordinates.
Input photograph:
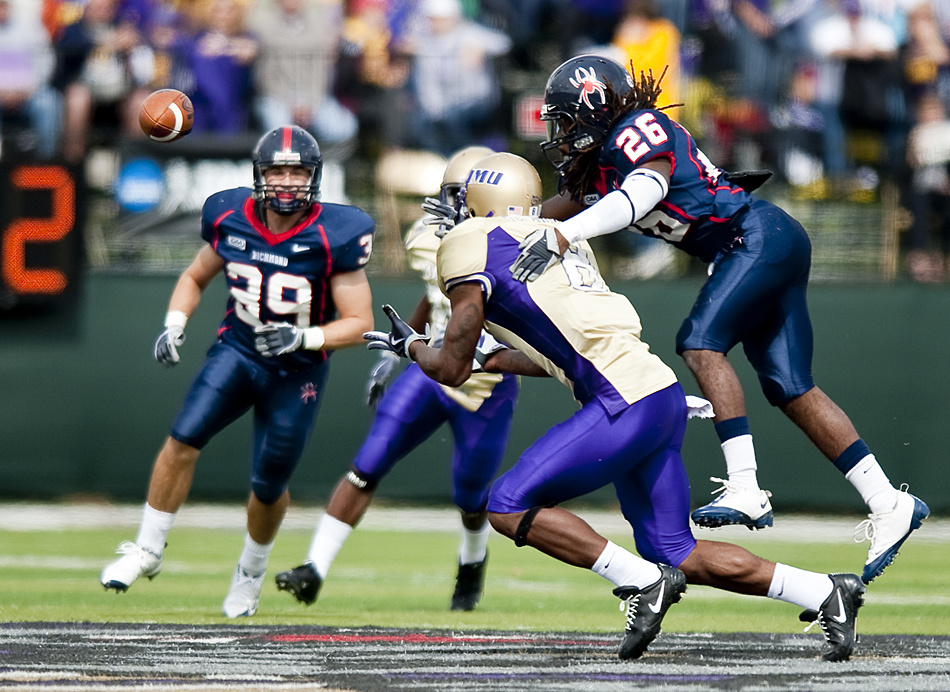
{"type": "Point", "coordinates": [696, 214]}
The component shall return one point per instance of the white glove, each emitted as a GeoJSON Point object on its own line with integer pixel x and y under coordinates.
{"type": "Point", "coordinates": [166, 346]}
{"type": "Point", "coordinates": [277, 339]}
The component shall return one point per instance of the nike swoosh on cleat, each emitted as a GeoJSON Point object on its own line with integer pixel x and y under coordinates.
{"type": "Point", "coordinates": [655, 607]}
{"type": "Point", "coordinates": [840, 617]}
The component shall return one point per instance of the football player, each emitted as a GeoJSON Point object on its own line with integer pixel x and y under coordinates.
{"type": "Point", "coordinates": [479, 412]}
{"type": "Point", "coordinates": [624, 164]}
{"type": "Point", "coordinates": [628, 431]}
{"type": "Point", "coordinates": [298, 291]}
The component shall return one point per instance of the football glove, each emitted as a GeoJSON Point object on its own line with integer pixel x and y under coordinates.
{"type": "Point", "coordinates": [166, 346]}
{"type": "Point", "coordinates": [277, 339]}
{"type": "Point", "coordinates": [538, 252]}
{"type": "Point", "coordinates": [399, 339]}
{"type": "Point", "coordinates": [380, 377]}
{"type": "Point", "coordinates": [444, 215]}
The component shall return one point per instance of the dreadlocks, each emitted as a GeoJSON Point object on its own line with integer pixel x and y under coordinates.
{"type": "Point", "coordinates": [583, 170]}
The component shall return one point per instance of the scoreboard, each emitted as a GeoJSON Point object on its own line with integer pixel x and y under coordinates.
{"type": "Point", "coordinates": [40, 236]}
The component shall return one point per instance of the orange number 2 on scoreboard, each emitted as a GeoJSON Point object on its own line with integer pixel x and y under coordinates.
{"type": "Point", "coordinates": [19, 277]}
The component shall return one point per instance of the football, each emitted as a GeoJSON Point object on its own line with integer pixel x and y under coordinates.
{"type": "Point", "coordinates": [166, 115]}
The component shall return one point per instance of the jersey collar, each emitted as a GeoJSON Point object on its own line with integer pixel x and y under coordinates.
{"type": "Point", "coordinates": [274, 238]}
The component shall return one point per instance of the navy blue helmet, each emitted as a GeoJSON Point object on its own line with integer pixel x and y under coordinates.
{"type": "Point", "coordinates": [288, 146]}
{"type": "Point", "coordinates": [577, 111]}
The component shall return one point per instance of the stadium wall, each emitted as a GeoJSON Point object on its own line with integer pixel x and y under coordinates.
{"type": "Point", "coordinates": [84, 407]}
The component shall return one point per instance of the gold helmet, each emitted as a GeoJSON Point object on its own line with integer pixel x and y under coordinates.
{"type": "Point", "coordinates": [503, 185]}
{"type": "Point", "coordinates": [456, 171]}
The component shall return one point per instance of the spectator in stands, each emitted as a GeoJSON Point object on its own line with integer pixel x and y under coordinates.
{"type": "Point", "coordinates": [926, 55]}
{"type": "Point", "coordinates": [26, 62]}
{"type": "Point", "coordinates": [294, 73]}
{"type": "Point", "coordinates": [797, 133]}
{"type": "Point", "coordinates": [456, 89]}
{"type": "Point", "coordinates": [651, 43]}
{"type": "Point", "coordinates": [855, 84]}
{"type": "Point", "coordinates": [222, 61]}
{"type": "Point", "coordinates": [102, 67]}
{"type": "Point", "coordinates": [928, 153]}
{"type": "Point", "coordinates": [374, 77]}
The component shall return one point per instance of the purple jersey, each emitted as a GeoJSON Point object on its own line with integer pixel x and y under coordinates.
{"type": "Point", "coordinates": [286, 277]}
{"type": "Point", "coordinates": [696, 214]}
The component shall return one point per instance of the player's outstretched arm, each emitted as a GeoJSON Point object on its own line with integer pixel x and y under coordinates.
{"type": "Point", "coordinates": [451, 363]}
{"type": "Point", "coordinates": [184, 301]}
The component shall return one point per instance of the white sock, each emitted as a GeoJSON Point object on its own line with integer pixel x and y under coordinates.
{"type": "Point", "coordinates": [154, 529]}
{"type": "Point", "coordinates": [330, 536]}
{"type": "Point", "coordinates": [800, 587]}
{"type": "Point", "coordinates": [474, 545]}
{"type": "Point", "coordinates": [869, 479]}
{"type": "Point", "coordinates": [623, 568]}
{"type": "Point", "coordinates": [740, 461]}
{"type": "Point", "coordinates": [254, 558]}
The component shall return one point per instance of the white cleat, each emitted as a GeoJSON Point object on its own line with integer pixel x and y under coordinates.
{"type": "Point", "coordinates": [735, 504]}
{"type": "Point", "coordinates": [887, 532]}
{"type": "Point", "coordinates": [244, 595]}
{"type": "Point", "coordinates": [135, 562]}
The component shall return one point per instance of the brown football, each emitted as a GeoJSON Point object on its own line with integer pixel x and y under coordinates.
{"type": "Point", "coordinates": [166, 115]}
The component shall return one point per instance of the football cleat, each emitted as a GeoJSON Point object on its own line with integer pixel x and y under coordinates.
{"type": "Point", "coordinates": [838, 616]}
{"type": "Point", "coordinates": [736, 504]}
{"type": "Point", "coordinates": [887, 532]}
{"type": "Point", "coordinates": [135, 562]}
{"type": "Point", "coordinates": [468, 585]}
{"type": "Point", "coordinates": [646, 608]}
{"type": "Point", "coordinates": [303, 582]}
{"type": "Point", "coordinates": [244, 595]}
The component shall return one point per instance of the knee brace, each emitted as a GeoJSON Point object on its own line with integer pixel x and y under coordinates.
{"type": "Point", "coordinates": [360, 481]}
{"type": "Point", "coordinates": [521, 535]}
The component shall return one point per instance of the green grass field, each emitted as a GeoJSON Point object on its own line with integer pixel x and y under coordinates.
{"type": "Point", "coordinates": [394, 579]}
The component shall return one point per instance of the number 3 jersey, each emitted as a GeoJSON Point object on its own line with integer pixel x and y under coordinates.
{"type": "Point", "coordinates": [282, 277]}
{"type": "Point", "coordinates": [567, 321]}
{"type": "Point", "coordinates": [696, 214]}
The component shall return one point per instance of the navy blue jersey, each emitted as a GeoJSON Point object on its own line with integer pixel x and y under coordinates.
{"type": "Point", "coordinates": [285, 277]}
{"type": "Point", "coordinates": [695, 214]}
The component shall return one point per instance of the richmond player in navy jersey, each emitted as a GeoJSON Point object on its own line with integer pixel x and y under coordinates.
{"type": "Point", "coordinates": [625, 164]}
{"type": "Point", "coordinates": [294, 270]}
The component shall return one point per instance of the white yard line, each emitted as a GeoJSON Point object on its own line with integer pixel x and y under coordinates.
{"type": "Point", "coordinates": [16, 516]}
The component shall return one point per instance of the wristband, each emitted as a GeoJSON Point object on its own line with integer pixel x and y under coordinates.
{"type": "Point", "coordinates": [176, 318]}
{"type": "Point", "coordinates": [314, 338]}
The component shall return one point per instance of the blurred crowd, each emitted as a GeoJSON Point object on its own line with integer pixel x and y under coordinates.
{"type": "Point", "coordinates": [836, 96]}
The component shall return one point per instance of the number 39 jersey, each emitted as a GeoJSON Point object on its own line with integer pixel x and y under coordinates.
{"type": "Point", "coordinates": [696, 212]}
{"type": "Point", "coordinates": [567, 321]}
{"type": "Point", "coordinates": [282, 277]}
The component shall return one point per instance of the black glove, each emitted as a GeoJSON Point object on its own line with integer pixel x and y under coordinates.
{"type": "Point", "coordinates": [399, 339]}
{"type": "Point", "coordinates": [444, 215]}
{"type": "Point", "coordinates": [380, 377]}
{"type": "Point", "coordinates": [277, 339]}
{"type": "Point", "coordinates": [166, 346]}
{"type": "Point", "coordinates": [538, 252]}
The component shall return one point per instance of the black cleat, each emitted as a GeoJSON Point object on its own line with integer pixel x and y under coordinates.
{"type": "Point", "coordinates": [838, 616]}
{"type": "Point", "coordinates": [646, 608]}
{"type": "Point", "coordinates": [468, 585]}
{"type": "Point", "coordinates": [303, 582]}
